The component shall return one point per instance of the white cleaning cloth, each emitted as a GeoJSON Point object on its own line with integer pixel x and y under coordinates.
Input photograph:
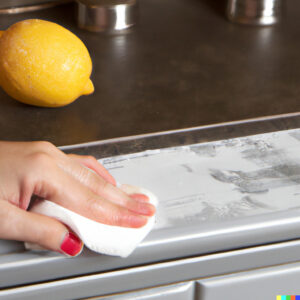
{"type": "Point", "coordinates": [101, 238]}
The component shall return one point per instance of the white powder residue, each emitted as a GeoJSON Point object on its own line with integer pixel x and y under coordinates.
{"type": "Point", "coordinates": [218, 180]}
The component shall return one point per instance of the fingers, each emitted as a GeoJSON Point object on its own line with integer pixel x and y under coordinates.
{"type": "Point", "coordinates": [91, 163]}
{"type": "Point", "coordinates": [80, 166]}
{"type": "Point", "coordinates": [132, 191]}
{"type": "Point", "coordinates": [75, 187]}
{"type": "Point", "coordinates": [139, 197]}
{"type": "Point", "coordinates": [68, 164]}
{"type": "Point", "coordinates": [133, 202]}
{"type": "Point", "coordinates": [17, 224]}
{"type": "Point", "coordinates": [86, 203]}
{"type": "Point", "coordinates": [111, 214]}
{"type": "Point", "coordinates": [63, 189]}
{"type": "Point", "coordinates": [137, 203]}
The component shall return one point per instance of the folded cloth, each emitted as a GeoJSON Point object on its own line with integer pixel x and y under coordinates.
{"type": "Point", "coordinates": [101, 238]}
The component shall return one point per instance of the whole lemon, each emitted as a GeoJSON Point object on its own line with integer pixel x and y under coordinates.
{"type": "Point", "coordinates": [44, 64]}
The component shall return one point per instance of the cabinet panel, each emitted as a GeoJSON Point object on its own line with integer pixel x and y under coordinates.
{"type": "Point", "coordinates": [260, 284]}
{"type": "Point", "coordinates": [172, 292]}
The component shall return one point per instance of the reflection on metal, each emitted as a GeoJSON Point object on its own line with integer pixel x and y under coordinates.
{"type": "Point", "coordinates": [107, 16]}
{"type": "Point", "coordinates": [177, 132]}
{"type": "Point", "coordinates": [29, 8]}
{"type": "Point", "coordinates": [255, 12]}
{"type": "Point", "coordinates": [120, 17]}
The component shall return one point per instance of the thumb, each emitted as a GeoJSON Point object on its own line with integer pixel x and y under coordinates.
{"type": "Point", "coordinates": [21, 225]}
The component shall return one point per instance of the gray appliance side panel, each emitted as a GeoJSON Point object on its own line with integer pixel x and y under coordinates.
{"type": "Point", "coordinates": [261, 284]}
{"type": "Point", "coordinates": [177, 291]}
{"type": "Point", "coordinates": [158, 274]}
{"type": "Point", "coordinates": [164, 244]}
{"type": "Point", "coordinates": [8, 247]}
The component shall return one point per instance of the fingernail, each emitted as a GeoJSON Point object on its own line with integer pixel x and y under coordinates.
{"type": "Point", "coordinates": [138, 221]}
{"type": "Point", "coordinates": [146, 209]}
{"type": "Point", "coordinates": [71, 245]}
{"type": "Point", "coordinates": [140, 197]}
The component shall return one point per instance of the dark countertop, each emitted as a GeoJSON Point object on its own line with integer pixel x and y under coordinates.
{"type": "Point", "coordinates": [184, 65]}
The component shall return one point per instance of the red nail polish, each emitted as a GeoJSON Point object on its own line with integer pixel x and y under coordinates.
{"type": "Point", "coordinates": [71, 244]}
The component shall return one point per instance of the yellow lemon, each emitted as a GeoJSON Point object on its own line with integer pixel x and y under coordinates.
{"type": "Point", "coordinates": [44, 64]}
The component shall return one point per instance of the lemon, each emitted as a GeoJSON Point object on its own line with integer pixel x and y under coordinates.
{"type": "Point", "coordinates": [44, 64]}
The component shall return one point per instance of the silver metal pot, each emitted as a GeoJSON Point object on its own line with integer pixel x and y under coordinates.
{"type": "Point", "coordinates": [255, 12]}
{"type": "Point", "coordinates": [107, 15]}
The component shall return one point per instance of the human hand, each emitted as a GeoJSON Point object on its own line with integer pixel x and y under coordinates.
{"type": "Point", "coordinates": [40, 169]}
